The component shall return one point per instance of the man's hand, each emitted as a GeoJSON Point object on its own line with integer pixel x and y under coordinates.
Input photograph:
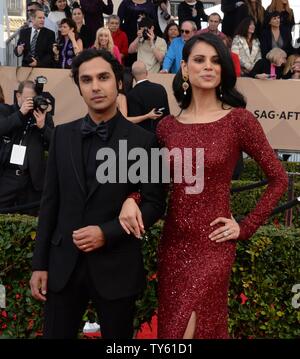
{"type": "Point", "coordinates": [40, 118]}
{"type": "Point", "coordinates": [88, 238]}
{"type": "Point", "coordinates": [33, 63]}
{"type": "Point", "coordinates": [27, 106]}
{"type": "Point", "coordinates": [20, 49]}
{"type": "Point", "coordinates": [38, 285]}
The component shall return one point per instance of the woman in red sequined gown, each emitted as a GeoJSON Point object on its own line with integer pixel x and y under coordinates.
{"type": "Point", "coordinates": [198, 246]}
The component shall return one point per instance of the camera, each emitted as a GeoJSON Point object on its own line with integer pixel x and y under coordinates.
{"type": "Point", "coordinates": [145, 33]}
{"type": "Point", "coordinates": [39, 101]}
{"type": "Point", "coordinates": [165, 15]}
{"type": "Point", "coordinates": [159, 111]}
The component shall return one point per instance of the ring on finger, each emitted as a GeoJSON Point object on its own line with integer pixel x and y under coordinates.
{"type": "Point", "coordinates": [225, 233]}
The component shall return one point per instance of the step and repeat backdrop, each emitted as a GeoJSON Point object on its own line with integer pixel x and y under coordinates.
{"type": "Point", "coordinates": [276, 104]}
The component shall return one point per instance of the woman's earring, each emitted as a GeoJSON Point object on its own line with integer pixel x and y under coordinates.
{"type": "Point", "coordinates": [220, 92]}
{"type": "Point", "coordinates": [185, 85]}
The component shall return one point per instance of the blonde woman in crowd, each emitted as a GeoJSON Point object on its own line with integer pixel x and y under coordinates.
{"type": "Point", "coordinates": [271, 67]}
{"type": "Point", "coordinates": [292, 68]}
{"type": "Point", "coordinates": [104, 41]}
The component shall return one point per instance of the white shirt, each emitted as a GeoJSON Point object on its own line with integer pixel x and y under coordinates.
{"type": "Point", "coordinates": [32, 33]}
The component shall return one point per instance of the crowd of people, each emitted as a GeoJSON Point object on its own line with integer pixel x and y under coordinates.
{"type": "Point", "coordinates": [145, 30]}
{"type": "Point", "coordinates": [86, 246]}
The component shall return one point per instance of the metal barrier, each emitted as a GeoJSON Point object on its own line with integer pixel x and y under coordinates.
{"type": "Point", "coordinates": [291, 197]}
{"type": "Point", "coordinates": [10, 58]}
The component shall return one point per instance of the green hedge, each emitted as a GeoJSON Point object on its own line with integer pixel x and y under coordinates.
{"type": "Point", "coordinates": [260, 299]}
{"type": "Point", "coordinates": [252, 172]}
{"type": "Point", "coordinates": [266, 269]}
{"type": "Point", "coordinates": [22, 317]}
{"type": "Point", "coordinates": [243, 202]}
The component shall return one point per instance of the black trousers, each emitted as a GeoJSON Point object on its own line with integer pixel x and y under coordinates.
{"type": "Point", "coordinates": [64, 310]}
{"type": "Point", "coordinates": [17, 190]}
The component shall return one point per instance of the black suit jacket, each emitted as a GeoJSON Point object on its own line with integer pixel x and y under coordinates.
{"type": "Point", "coordinates": [117, 267]}
{"type": "Point", "coordinates": [143, 98]}
{"type": "Point", "coordinates": [266, 41]}
{"type": "Point", "coordinates": [37, 141]}
{"type": "Point", "coordinates": [44, 52]}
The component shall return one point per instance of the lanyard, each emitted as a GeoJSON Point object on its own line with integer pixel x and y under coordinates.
{"type": "Point", "coordinates": [25, 131]}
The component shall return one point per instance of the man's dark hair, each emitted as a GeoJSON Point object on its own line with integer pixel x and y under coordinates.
{"type": "Point", "coordinates": [24, 84]}
{"type": "Point", "coordinates": [90, 54]}
{"type": "Point", "coordinates": [35, 3]}
{"type": "Point", "coordinates": [226, 92]}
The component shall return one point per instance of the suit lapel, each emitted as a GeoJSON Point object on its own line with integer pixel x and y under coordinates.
{"type": "Point", "coordinates": [76, 155]}
{"type": "Point", "coordinates": [120, 133]}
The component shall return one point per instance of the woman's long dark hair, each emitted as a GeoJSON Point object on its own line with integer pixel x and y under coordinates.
{"type": "Point", "coordinates": [243, 27]}
{"type": "Point", "coordinates": [165, 34]}
{"type": "Point", "coordinates": [226, 92]}
{"type": "Point", "coordinates": [67, 10]}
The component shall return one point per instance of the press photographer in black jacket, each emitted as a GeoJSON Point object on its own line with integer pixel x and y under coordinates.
{"type": "Point", "coordinates": [25, 134]}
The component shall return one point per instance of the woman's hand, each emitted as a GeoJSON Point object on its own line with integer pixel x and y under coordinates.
{"type": "Point", "coordinates": [230, 230]}
{"type": "Point", "coordinates": [55, 49]}
{"type": "Point", "coordinates": [71, 35]}
{"type": "Point", "coordinates": [153, 115]}
{"type": "Point", "coordinates": [131, 218]}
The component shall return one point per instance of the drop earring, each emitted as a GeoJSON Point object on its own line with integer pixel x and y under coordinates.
{"type": "Point", "coordinates": [185, 85]}
{"type": "Point", "coordinates": [220, 93]}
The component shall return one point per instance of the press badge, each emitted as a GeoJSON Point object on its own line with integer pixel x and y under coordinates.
{"type": "Point", "coordinates": [18, 155]}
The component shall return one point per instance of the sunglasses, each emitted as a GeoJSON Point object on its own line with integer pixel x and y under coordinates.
{"type": "Point", "coordinates": [185, 31]}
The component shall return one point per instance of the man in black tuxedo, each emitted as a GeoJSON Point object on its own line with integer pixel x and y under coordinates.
{"type": "Point", "coordinates": [35, 43]}
{"type": "Point", "coordinates": [82, 253]}
{"type": "Point", "coordinates": [145, 96]}
{"type": "Point", "coordinates": [20, 124]}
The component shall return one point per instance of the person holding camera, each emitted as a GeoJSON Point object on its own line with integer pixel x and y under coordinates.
{"type": "Point", "coordinates": [151, 49]}
{"type": "Point", "coordinates": [69, 44]}
{"type": "Point", "coordinates": [35, 43]}
{"type": "Point", "coordinates": [25, 133]}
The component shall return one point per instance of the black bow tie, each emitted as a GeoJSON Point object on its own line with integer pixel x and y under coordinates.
{"type": "Point", "coordinates": [87, 129]}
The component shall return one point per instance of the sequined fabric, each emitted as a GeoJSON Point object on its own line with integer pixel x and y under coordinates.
{"type": "Point", "coordinates": [194, 272]}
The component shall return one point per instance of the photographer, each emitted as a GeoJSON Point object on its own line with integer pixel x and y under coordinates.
{"type": "Point", "coordinates": [25, 133]}
{"type": "Point", "coordinates": [150, 48]}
